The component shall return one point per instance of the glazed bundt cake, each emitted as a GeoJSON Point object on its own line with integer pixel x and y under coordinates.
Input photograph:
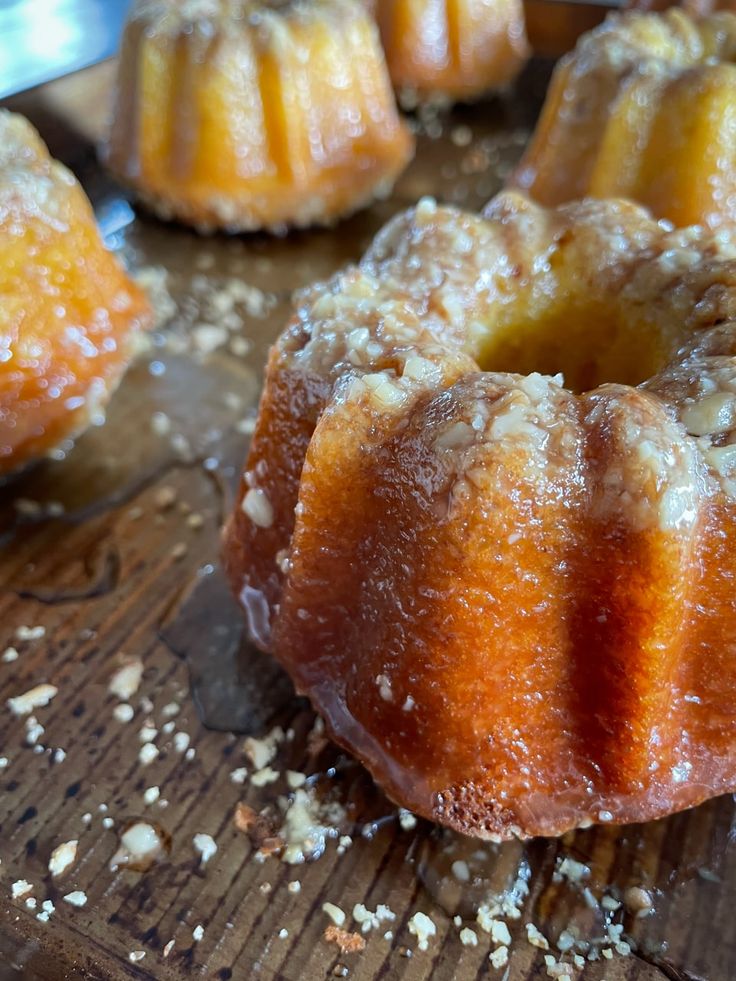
{"type": "Point", "coordinates": [451, 49]}
{"type": "Point", "coordinates": [249, 114]}
{"type": "Point", "coordinates": [643, 108]}
{"type": "Point", "coordinates": [509, 594]}
{"type": "Point", "coordinates": [69, 316]}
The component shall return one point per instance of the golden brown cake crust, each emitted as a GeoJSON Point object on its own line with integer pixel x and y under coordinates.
{"type": "Point", "coordinates": [248, 115]}
{"type": "Point", "coordinates": [509, 600]}
{"type": "Point", "coordinates": [70, 319]}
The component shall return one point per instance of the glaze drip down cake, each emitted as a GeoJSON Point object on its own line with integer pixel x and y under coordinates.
{"type": "Point", "coordinates": [643, 108]}
{"type": "Point", "coordinates": [70, 319]}
{"type": "Point", "coordinates": [451, 49]}
{"type": "Point", "coordinates": [509, 591]}
{"type": "Point", "coordinates": [242, 115]}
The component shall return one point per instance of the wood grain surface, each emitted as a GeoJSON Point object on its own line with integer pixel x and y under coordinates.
{"type": "Point", "coordinates": [101, 549]}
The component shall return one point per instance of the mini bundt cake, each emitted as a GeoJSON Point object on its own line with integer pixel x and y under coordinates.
{"type": "Point", "coordinates": [642, 108]}
{"type": "Point", "coordinates": [451, 49]}
{"type": "Point", "coordinates": [511, 599]}
{"type": "Point", "coordinates": [250, 114]}
{"type": "Point", "coordinates": [69, 316]}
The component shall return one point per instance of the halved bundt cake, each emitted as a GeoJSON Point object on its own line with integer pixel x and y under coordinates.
{"type": "Point", "coordinates": [69, 316]}
{"type": "Point", "coordinates": [249, 114]}
{"type": "Point", "coordinates": [510, 594]}
{"type": "Point", "coordinates": [643, 108]}
{"type": "Point", "coordinates": [452, 49]}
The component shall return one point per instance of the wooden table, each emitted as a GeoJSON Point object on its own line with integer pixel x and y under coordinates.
{"type": "Point", "coordinates": [102, 550]}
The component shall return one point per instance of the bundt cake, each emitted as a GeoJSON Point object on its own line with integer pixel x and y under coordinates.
{"type": "Point", "coordinates": [69, 316]}
{"type": "Point", "coordinates": [249, 114]}
{"type": "Point", "coordinates": [643, 108]}
{"type": "Point", "coordinates": [451, 49]}
{"type": "Point", "coordinates": [509, 594]}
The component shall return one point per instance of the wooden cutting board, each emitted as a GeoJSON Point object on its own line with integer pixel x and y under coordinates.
{"type": "Point", "coordinates": [114, 551]}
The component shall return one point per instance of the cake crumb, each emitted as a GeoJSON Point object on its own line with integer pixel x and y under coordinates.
{"type": "Point", "coordinates": [63, 857]}
{"type": "Point", "coordinates": [369, 920]}
{"type": "Point", "coordinates": [141, 843]}
{"type": "Point", "coordinates": [265, 776]}
{"type": "Point", "coordinates": [151, 795]}
{"type": "Point", "coordinates": [422, 927]}
{"type": "Point", "coordinates": [24, 633]}
{"type": "Point", "coordinates": [263, 751]}
{"type": "Point", "coordinates": [407, 820]}
{"type": "Point", "coordinates": [148, 753]}
{"type": "Point", "coordinates": [76, 898]}
{"type": "Point", "coordinates": [336, 914]}
{"type": "Point", "coordinates": [165, 498]}
{"type": "Point", "coordinates": [47, 908]}
{"type": "Point", "coordinates": [34, 731]}
{"type": "Point", "coordinates": [349, 943]}
{"type": "Point", "coordinates": [638, 901]}
{"type": "Point", "coordinates": [123, 712]}
{"type": "Point", "coordinates": [295, 779]}
{"type": "Point", "coordinates": [125, 681]}
{"type": "Point", "coordinates": [205, 846]}
{"type": "Point", "coordinates": [181, 742]}
{"type": "Point", "coordinates": [245, 817]}
{"type": "Point", "coordinates": [557, 969]}
{"type": "Point", "coordinates": [37, 697]}
{"type": "Point", "coordinates": [536, 938]}
{"type": "Point", "coordinates": [160, 424]}
{"type": "Point", "coordinates": [499, 957]}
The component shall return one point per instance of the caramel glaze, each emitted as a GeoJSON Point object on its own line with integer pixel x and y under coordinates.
{"type": "Point", "coordinates": [643, 109]}
{"type": "Point", "coordinates": [515, 604]}
{"type": "Point", "coordinates": [70, 318]}
{"type": "Point", "coordinates": [245, 115]}
{"type": "Point", "coordinates": [456, 49]}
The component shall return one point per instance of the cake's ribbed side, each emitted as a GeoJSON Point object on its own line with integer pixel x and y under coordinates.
{"type": "Point", "coordinates": [634, 575]}
{"type": "Point", "coordinates": [700, 390]}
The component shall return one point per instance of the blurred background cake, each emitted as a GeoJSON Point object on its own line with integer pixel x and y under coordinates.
{"type": "Point", "coordinates": [69, 318]}
{"type": "Point", "coordinates": [451, 49]}
{"type": "Point", "coordinates": [643, 108]}
{"type": "Point", "coordinates": [247, 115]}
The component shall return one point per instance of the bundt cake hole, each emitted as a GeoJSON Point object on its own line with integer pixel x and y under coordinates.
{"type": "Point", "coordinates": [585, 341]}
